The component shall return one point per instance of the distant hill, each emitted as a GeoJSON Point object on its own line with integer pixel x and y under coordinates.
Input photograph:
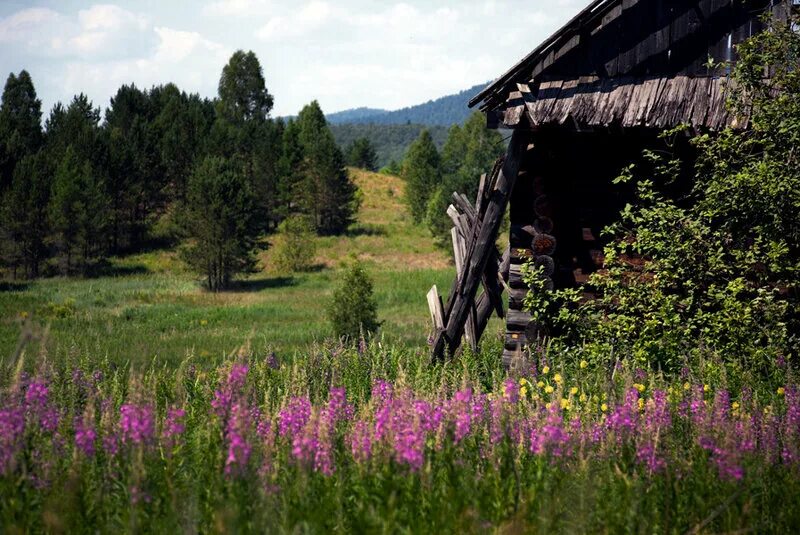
{"type": "Point", "coordinates": [444, 111]}
{"type": "Point", "coordinates": [356, 114]}
{"type": "Point", "coordinates": [390, 140]}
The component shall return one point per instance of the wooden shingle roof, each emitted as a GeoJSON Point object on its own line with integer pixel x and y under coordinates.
{"type": "Point", "coordinates": [650, 63]}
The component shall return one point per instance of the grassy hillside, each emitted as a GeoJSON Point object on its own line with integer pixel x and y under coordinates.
{"type": "Point", "coordinates": [155, 309]}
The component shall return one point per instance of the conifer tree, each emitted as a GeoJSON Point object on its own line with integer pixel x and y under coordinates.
{"type": "Point", "coordinates": [422, 173]}
{"type": "Point", "coordinates": [20, 124]}
{"type": "Point", "coordinates": [243, 95]}
{"type": "Point", "coordinates": [23, 217]}
{"type": "Point", "coordinates": [290, 167]}
{"type": "Point", "coordinates": [137, 178]}
{"type": "Point", "coordinates": [326, 192]}
{"type": "Point", "coordinates": [244, 132]}
{"type": "Point", "coordinates": [361, 154]}
{"type": "Point", "coordinates": [220, 218]}
{"type": "Point", "coordinates": [78, 214]}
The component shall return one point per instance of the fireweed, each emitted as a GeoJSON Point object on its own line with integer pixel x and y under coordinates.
{"type": "Point", "coordinates": [245, 428]}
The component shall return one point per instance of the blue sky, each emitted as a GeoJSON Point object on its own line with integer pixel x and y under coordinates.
{"type": "Point", "coordinates": [344, 53]}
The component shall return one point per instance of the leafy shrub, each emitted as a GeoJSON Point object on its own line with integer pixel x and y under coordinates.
{"type": "Point", "coordinates": [353, 310]}
{"type": "Point", "coordinates": [717, 274]}
{"type": "Point", "coordinates": [295, 248]}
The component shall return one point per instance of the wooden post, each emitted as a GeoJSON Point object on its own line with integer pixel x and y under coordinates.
{"type": "Point", "coordinates": [435, 306]}
{"type": "Point", "coordinates": [484, 245]}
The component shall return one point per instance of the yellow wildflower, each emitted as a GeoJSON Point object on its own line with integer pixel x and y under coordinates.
{"type": "Point", "coordinates": [583, 398]}
{"type": "Point", "coordinates": [573, 390]}
{"type": "Point", "coordinates": [540, 384]}
{"type": "Point", "coordinates": [781, 391]}
{"type": "Point", "coordinates": [604, 407]}
{"type": "Point", "coordinates": [641, 404]}
{"type": "Point", "coordinates": [564, 403]}
{"type": "Point", "coordinates": [524, 390]}
{"type": "Point", "coordinates": [203, 322]}
{"type": "Point", "coordinates": [548, 405]}
{"type": "Point", "coordinates": [557, 378]}
{"type": "Point", "coordinates": [546, 370]}
{"type": "Point", "coordinates": [706, 388]}
{"type": "Point", "coordinates": [584, 364]}
{"type": "Point", "coordinates": [548, 389]}
{"type": "Point", "coordinates": [686, 386]}
{"type": "Point", "coordinates": [735, 405]}
{"type": "Point", "coordinates": [640, 387]}
{"type": "Point", "coordinates": [523, 382]}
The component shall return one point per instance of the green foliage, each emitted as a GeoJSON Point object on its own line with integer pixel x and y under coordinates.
{"type": "Point", "coordinates": [295, 247]}
{"type": "Point", "coordinates": [422, 173]}
{"type": "Point", "coordinates": [220, 219]}
{"type": "Point", "coordinates": [325, 191]}
{"type": "Point", "coordinates": [353, 311]}
{"type": "Point", "coordinates": [78, 214]}
{"type": "Point", "coordinates": [715, 273]}
{"type": "Point", "coordinates": [361, 154]}
{"type": "Point", "coordinates": [470, 150]}
{"type": "Point", "coordinates": [23, 216]}
{"type": "Point", "coordinates": [243, 94]}
{"type": "Point", "coordinates": [20, 124]}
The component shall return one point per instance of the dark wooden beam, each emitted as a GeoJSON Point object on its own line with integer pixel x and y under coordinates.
{"type": "Point", "coordinates": [463, 301]}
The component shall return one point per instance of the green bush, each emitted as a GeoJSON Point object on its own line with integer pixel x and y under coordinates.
{"type": "Point", "coordinates": [295, 248]}
{"type": "Point", "coordinates": [714, 274]}
{"type": "Point", "coordinates": [353, 311]}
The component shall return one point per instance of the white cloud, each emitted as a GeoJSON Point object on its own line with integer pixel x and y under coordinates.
{"type": "Point", "coordinates": [233, 8]}
{"type": "Point", "coordinates": [110, 17]}
{"type": "Point", "coordinates": [20, 25]}
{"type": "Point", "coordinates": [296, 23]}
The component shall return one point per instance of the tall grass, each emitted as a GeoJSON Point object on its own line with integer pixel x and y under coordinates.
{"type": "Point", "coordinates": [375, 439]}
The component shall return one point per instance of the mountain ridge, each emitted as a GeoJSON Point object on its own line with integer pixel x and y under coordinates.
{"type": "Point", "coordinates": [443, 111]}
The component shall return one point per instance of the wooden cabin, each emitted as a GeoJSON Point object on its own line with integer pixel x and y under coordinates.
{"type": "Point", "coordinates": [582, 106]}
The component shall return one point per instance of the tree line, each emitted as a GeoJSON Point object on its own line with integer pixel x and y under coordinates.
{"type": "Point", "coordinates": [217, 173]}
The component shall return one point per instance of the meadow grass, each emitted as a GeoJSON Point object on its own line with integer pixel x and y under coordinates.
{"type": "Point", "coordinates": [154, 309]}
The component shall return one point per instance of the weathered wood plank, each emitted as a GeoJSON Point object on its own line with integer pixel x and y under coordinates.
{"type": "Point", "coordinates": [484, 246]}
{"type": "Point", "coordinates": [436, 309]}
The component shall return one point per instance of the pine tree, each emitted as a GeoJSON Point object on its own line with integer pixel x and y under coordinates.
{"type": "Point", "coordinates": [244, 132]}
{"type": "Point", "coordinates": [361, 154]}
{"type": "Point", "coordinates": [78, 214]}
{"type": "Point", "coordinates": [290, 167]}
{"type": "Point", "coordinates": [20, 124]}
{"type": "Point", "coordinates": [136, 177]}
{"type": "Point", "coordinates": [353, 310]}
{"type": "Point", "coordinates": [220, 218]}
{"type": "Point", "coordinates": [182, 126]}
{"type": "Point", "coordinates": [326, 192]}
{"type": "Point", "coordinates": [243, 95]}
{"type": "Point", "coordinates": [23, 218]}
{"type": "Point", "coordinates": [422, 173]}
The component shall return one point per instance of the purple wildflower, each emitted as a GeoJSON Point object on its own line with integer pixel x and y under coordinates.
{"type": "Point", "coordinates": [137, 424]}
{"type": "Point", "coordinates": [85, 437]}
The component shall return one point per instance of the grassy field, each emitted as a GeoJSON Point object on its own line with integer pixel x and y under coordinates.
{"type": "Point", "coordinates": [156, 310]}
